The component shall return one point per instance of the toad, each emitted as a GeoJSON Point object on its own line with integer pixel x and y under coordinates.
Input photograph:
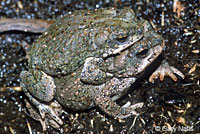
{"type": "Point", "coordinates": [87, 59]}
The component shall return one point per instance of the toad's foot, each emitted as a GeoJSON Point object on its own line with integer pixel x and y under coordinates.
{"type": "Point", "coordinates": [165, 70]}
{"type": "Point", "coordinates": [45, 109]}
{"type": "Point", "coordinates": [130, 108]}
{"type": "Point", "coordinates": [52, 111]}
{"type": "Point", "coordinates": [47, 121]}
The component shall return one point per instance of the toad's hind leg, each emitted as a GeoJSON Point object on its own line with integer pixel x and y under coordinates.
{"type": "Point", "coordinates": [39, 86]}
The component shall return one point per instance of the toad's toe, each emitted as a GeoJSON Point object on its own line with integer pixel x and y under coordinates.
{"type": "Point", "coordinates": [165, 70]}
{"type": "Point", "coordinates": [131, 109]}
{"type": "Point", "coordinates": [45, 109]}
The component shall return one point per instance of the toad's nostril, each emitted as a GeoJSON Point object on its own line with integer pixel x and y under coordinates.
{"type": "Point", "coordinates": [140, 31]}
{"type": "Point", "coordinates": [142, 53]}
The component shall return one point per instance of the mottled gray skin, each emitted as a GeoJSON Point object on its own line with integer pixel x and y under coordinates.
{"type": "Point", "coordinates": [86, 58]}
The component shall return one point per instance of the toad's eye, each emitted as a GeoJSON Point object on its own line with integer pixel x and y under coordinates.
{"type": "Point", "coordinates": [142, 53]}
{"type": "Point", "coordinates": [122, 38]}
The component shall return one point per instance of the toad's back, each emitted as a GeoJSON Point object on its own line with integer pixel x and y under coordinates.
{"type": "Point", "coordinates": [67, 43]}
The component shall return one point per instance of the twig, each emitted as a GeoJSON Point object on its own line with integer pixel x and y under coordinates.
{"type": "Point", "coordinates": [25, 25]}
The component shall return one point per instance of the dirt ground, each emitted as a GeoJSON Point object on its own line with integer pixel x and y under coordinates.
{"type": "Point", "coordinates": [169, 107]}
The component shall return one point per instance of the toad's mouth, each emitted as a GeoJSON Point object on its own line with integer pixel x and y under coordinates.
{"type": "Point", "coordinates": [153, 54]}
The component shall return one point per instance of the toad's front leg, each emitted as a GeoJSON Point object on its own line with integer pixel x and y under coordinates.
{"type": "Point", "coordinates": [113, 109]}
{"type": "Point", "coordinates": [92, 74]}
{"type": "Point", "coordinates": [107, 94]}
{"type": "Point", "coordinates": [38, 86]}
